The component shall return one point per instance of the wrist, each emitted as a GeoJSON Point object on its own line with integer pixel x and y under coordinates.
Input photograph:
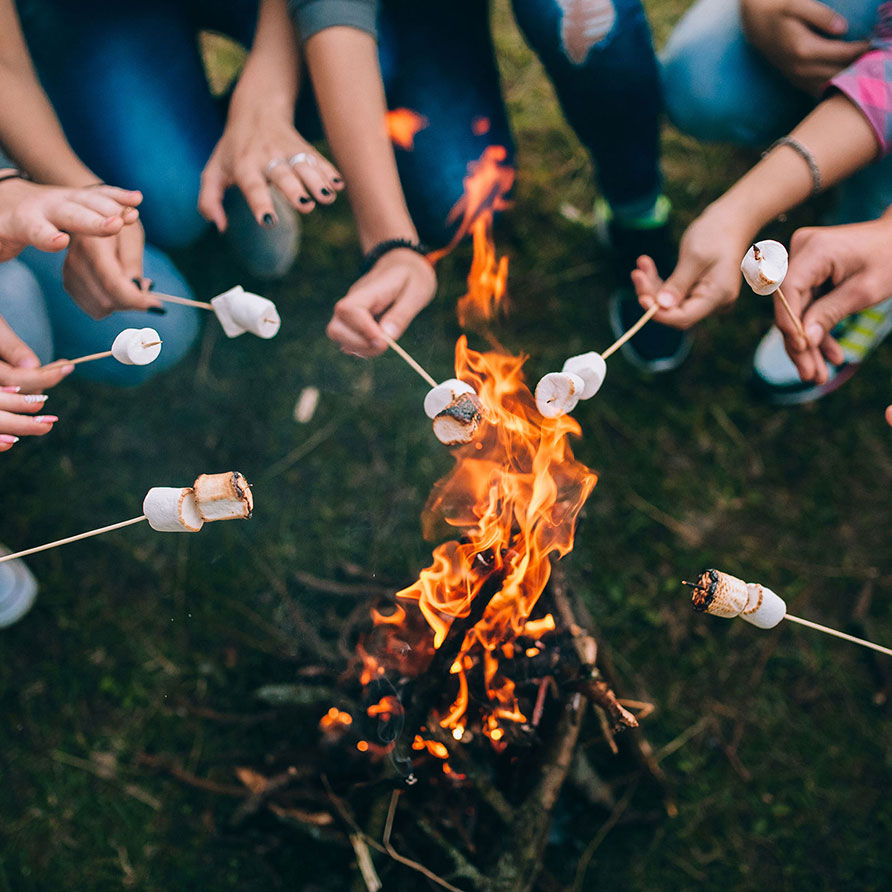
{"type": "Point", "coordinates": [387, 246]}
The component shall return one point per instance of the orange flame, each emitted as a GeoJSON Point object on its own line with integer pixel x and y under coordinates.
{"type": "Point", "coordinates": [402, 126]}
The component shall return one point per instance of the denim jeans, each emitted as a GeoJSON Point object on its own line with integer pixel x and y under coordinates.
{"type": "Point", "coordinates": [717, 87]}
{"type": "Point", "coordinates": [36, 307]}
{"type": "Point", "coordinates": [437, 58]}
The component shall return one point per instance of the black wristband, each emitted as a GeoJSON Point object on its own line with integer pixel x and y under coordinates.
{"type": "Point", "coordinates": [14, 175]}
{"type": "Point", "coordinates": [382, 248]}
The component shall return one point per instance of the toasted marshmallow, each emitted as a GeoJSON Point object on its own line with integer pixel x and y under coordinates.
{"type": "Point", "coordinates": [240, 311]}
{"type": "Point", "coordinates": [137, 346]}
{"type": "Point", "coordinates": [558, 393]}
{"type": "Point", "coordinates": [764, 266]}
{"type": "Point", "coordinates": [224, 496]}
{"type": "Point", "coordinates": [172, 510]}
{"type": "Point", "coordinates": [591, 368]}
{"type": "Point", "coordinates": [439, 397]}
{"type": "Point", "coordinates": [764, 609]}
{"type": "Point", "coordinates": [459, 421]}
{"type": "Point", "coordinates": [720, 594]}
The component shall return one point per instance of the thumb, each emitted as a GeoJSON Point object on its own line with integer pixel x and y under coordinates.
{"type": "Point", "coordinates": [210, 198]}
{"type": "Point", "coordinates": [820, 17]}
{"type": "Point", "coordinates": [14, 351]}
{"type": "Point", "coordinates": [676, 288]}
{"type": "Point", "coordinates": [828, 311]}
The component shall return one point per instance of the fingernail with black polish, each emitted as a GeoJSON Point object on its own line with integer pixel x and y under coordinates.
{"type": "Point", "coordinates": [158, 311]}
{"type": "Point", "coordinates": [137, 281]}
{"type": "Point", "coordinates": [336, 180]}
{"type": "Point", "coordinates": [268, 220]}
{"type": "Point", "coordinates": [304, 200]}
{"type": "Point", "coordinates": [325, 192]}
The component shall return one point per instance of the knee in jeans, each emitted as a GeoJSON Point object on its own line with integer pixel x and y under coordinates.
{"type": "Point", "coordinates": [585, 24]}
{"type": "Point", "coordinates": [697, 102]}
{"type": "Point", "coordinates": [169, 213]}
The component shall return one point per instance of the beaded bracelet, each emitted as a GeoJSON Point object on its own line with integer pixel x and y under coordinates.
{"type": "Point", "coordinates": [382, 248]}
{"type": "Point", "coordinates": [806, 156]}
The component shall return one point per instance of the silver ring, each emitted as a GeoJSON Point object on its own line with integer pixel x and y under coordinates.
{"type": "Point", "coordinates": [272, 164]}
{"type": "Point", "coordinates": [302, 157]}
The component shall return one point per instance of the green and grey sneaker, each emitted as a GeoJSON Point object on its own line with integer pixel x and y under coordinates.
{"type": "Point", "coordinates": [776, 378]}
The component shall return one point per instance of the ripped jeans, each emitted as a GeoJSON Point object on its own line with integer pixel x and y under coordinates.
{"type": "Point", "coordinates": [437, 58]}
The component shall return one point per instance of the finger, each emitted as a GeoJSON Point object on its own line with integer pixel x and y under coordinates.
{"type": "Point", "coordinates": [349, 340]}
{"type": "Point", "coordinates": [44, 236]}
{"type": "Point", "coordinates": [782, 319]}
{"type": "Point", "coordinates": [255, 188]}
{"type": "Point", "coordinates": [72, 216]}
{"type": "Point", "coordinates": [210, 198]}
{"type": "Point", "coordinates": [312, 179]}
{"type": "Point", "coordinates": [25, 426]}
{"type": "Point", "coordinates": [835, 54]}
{"type": "Point", "coordinates": [35, 380]}
{"type": "Point", "coordinates": [889, 415]}
{"type": "Point", "coordinates": [98, 201]}
{"type": "Point", "coordinates": [331, 173]}
{"type": "Point", "coordinates": [412, 300]}
{"type": "Point", "coordinates": [676, 288]}
{"type": "Point", "coordinates": [287, 182]}
{"type": "Point", "coordinates": [819, 16]}
{"type": "Point", "coordinates": [694, 309]}
{"type": "Point", "coordinates": [828, 311]}
{"type": "Point", "coordinates": [131, 250]}
{"type": "Point", "coordinates": [647, 281]}
{"type": "Point", "coordinates": [832, 350]}
{"type": "Point", "coordinates": [22, 402]}
{"type": "Point", "coordinates": [14, 351]}
{"type": "Point", "coordinates": [127, 198]}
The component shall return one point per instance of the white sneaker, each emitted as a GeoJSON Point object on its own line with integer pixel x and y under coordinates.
{"type": "Point", "coordinates": [18, 589]}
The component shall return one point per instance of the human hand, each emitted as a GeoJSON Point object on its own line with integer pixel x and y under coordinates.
{"type": "Point", "coordinates": [45, 216]}
{"type": "Point", "coordinates": [21, 372]}
{"type": "Point", "coordinates": [385, 300]}
{"type": "Point", "coordinates": [105, 274]}
{"type": "Point", "coordinates": [801, 38]}
{"type": "Point", "coordinates": [260, 148]}
{"type": "Point", "coordinates": [834, 271]}
{"type": "Point", "coordinates": [706, 277]}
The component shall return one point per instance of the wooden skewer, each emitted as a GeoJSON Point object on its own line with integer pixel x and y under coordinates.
{"type": "Point", "coordinates": [397, 349]}
{"type": "Point", "coordinates": [185, 301]}
{"type": "Point", "coordinates": [108, 529]}
{"type": "Point", "coordinates": [648, 315]}
{"type": "Point", "coordinates": [91, 356]}
{"type": "Point", "coordinates": [836, 633]}
{"type": "Point", "coordinates": [793, 318]}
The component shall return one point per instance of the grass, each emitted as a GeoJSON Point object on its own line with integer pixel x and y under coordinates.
{"type": "Point", "coordinates": [777, 743]}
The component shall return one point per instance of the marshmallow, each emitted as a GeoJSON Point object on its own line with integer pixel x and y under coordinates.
{"type": "Point", "coordinates": [558, 393]}
{"type": "Point", "coordinates": [240, 311]}
{"type": "Point", "coordinates": [591, 368]}
{"type": "Point", "coordinates": [131, 346]}
{"type": "Point", "coordinates": [458, 422]}
{"type": "Point", "coordinates": [764, 266]}
{"type": "Point", "coordinates": [764, 609]}
{"type": "Point", "coordinates": [223, 496]}
{"type": "Point", "coordinates": [439, 397]}
{"type": "Point", "coordinates": [172, 510]}
{"type": "Point", "coordinates": [720, 594]}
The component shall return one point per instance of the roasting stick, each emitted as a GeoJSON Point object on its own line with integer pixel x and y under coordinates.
{"type": "Point", "coordinates": [401, 352]}
{"type": "Point", "coordinates": [582, 376]}
{"type": "Point", "coordinates": [185, 301]}
{"type": "Point", "coordinates": [79, 536]}
{"type": "Point", "coordinates": [237, 310]}
{"type": "Point", "coordinates": [764, 267]}
{"type": "Point", "coordinates": [132, 346]}
{"type": "Point", "coordinates": [170, 509]}
{"type": "Point", "coordinates": [722, 594]}
{"type": "Point", "coordinates": [631, 332]}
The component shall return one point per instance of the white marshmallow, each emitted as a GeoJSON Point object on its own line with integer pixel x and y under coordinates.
{"type": "Point", "coordinates": [130, 348]}
{"type": "Point", "coordinates": [439, 397]}
{"type": "Point", "coordinates": [170, 509]}
{"type": "Point", "coordinates": [764, 609]}
{"type": "Point", "coordinates": [766, 274]}
{"type": "Point", "coordinates": [240, 311]}
{"type": "Point", "coordinates": [591, 368]}
{"type": "Point", "coordinates": [224, 496]}
{"type": "Point", "coordinates": [558, 393]}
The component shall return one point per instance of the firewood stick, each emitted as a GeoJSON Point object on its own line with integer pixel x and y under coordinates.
{"type": "Point", "coordinates": [185, 301]}
{"type": "Point", "coordinates": [397, 349]}
{"type": "Point", "coordinates": [793, 318]}
{"type": "Point", "coordinates": [836, 633]}
{"type": "Point", "coordinates": [646, 317]}
{"type": "Point", "coordinates": [108, 529]}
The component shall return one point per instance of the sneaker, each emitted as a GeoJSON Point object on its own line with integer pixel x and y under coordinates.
{"type": "Point", "coordinates": [656, 348]}
{"type": "Point", "coordinates": [777, 379]}
{"type": "Point", "coordinates": [18, 589]}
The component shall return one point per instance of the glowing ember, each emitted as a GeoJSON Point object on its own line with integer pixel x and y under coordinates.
{"type": "Point", "coordinates": [402, 126]}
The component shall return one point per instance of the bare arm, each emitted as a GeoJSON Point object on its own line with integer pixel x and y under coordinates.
{"type": "Point", "coordinates": [344, 67]}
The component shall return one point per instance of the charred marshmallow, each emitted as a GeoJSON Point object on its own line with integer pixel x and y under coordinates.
{"type": "Point", "coordinates": [764, 266]}
{"type": "Point", "coordinates": [722, 594]}
{"type": "Point", "coordinates": [137, 346]}
{"type": "Point", "coordinates": [439, 397]}
{"type": "Point", "coordinates": [558, 393]}
{"type": "Point", "coordinates": [223, 496]}
{"type": "Point", "coordinates": [240, 311]}
{"type": "Point", "coordinates": [459, 420]}
{"type": "Point", "coordinates": [592, 368]}
{"type": "Point", "coordinates": [170, 509]}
